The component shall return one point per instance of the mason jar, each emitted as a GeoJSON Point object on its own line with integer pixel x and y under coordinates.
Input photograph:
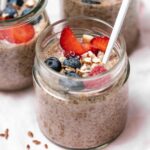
{"type": "Point", "coordinates": [18, 37]}
{"type": "Point", "coordinates": [72, 115]}
{"type": "Point", "coordinates": [107, 10]}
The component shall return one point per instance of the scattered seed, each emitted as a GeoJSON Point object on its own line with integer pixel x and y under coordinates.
{"type": "Point", "coordinates": [6, 134]}
{"type": "Point", "coordinates": [2, 135]}
{"type": "Point", "coordinates": [46, 146]}
{"type": "Point", "coordinates": [30, 134]}
{"type": "Point", "coordinates": [36, 142]}
{"type": "Point", "coordinates": [28, 147]}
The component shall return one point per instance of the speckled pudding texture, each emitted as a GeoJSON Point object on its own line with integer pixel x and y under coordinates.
{"type": "Point", "coordinates": [107, 10]}
{"type": "Point", "coordinates": [81, 120]}
{"type": "Point", "coordinates": [16, 59]}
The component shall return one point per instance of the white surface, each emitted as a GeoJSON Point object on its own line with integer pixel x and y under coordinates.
{"type": "Point", "coordinates": [116, 29]}
{"type": "Point", "coordinates": [17, 109]}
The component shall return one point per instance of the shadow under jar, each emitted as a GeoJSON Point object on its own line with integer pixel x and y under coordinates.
{"type": "Point", "coordinates": [107, 10]}
{"type": "Point", "coordinates": [18, 37]}
{"type": "Point", "coordinates": [73, 116]}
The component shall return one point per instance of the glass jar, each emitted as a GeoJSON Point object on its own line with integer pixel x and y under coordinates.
{"type": "Point", "coordinates": [72, 115]}
{"type": "Point", "coordinates": [18, 37]}
{"type": "Point", "coordinates": [107, 10]}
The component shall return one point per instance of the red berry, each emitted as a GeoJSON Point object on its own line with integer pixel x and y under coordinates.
{"type": "Point", "coordinates": [98, 83]}
{"type": "Point", "coordinates": [100, 43]}
{"type": "Point", "coordinates": [97, 70]}
{"type": "Point", "coordinates": [69, 42]}
{"type": "Point", "coordinates": [19, 34]}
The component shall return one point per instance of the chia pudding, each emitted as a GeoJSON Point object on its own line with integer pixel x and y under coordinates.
{"type": "Point", "coordinates": [81, 102]}
{"type": "Point", "coordinates": [21, 22]}
{"type": "Point", "coordinates": [107, 10]}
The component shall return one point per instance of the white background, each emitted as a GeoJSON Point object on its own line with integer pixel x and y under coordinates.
{"type": "Point", "coordinates": [17, 109]}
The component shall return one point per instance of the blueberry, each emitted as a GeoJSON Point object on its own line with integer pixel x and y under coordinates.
{"type": "Point", "coordinates": [71, 84]}
{"type": "Point", "coordinates": [26, 11]}
{"type": "Point", "coordinates": [72, 62]}
{"type": "Point", "coordinates": [10, 12]}
{"type": "Point", "coordinates": [36, 20]}
{"type": "Point", "coordinates": [72, 74]}
{"type": "Point", "coordinates": [16, 2]}
{"type": "Point", "coordinates": [92, 1]}
{"type": "Point", "coordinates": [53, 63]}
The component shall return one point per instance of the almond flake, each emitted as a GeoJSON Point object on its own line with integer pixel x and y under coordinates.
{"type": "Point", "coordinates": [87, 38]}
{"type": "Point", "coordinates": [91, 54]}
{"type": "Point", "coordinates": [87, 60]}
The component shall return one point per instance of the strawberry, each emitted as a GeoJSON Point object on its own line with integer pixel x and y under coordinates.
{"type": "Point", "coordinates": [100, 43]}
{"type": "Point", "coordinates": [87, 46]}
{"type": "Point", "coordinates": [19, 34]}
{"type": "Point", "coordinates": [69, 42]}
{"type": "Point", "coordinates": [99, 82]}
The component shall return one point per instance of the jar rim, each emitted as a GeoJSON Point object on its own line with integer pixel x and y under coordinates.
{"type": "Point", "coordinates": [26, 18]}
{"type": "Point", "coordinates": [42, 38]}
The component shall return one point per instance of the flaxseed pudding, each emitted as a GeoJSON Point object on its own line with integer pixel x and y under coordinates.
{"type": "Point", "coordinates": [21, 22]}
{"type": "Point", "coordinates": [107, 10]}
{"type": "Point", "coordinates": [81, 102]}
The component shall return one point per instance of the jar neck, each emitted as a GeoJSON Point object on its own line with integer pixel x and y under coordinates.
{"type": "Point", "coordinates": [40, 7]}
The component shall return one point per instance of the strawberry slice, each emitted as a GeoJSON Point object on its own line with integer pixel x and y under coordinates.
{"type": "Point", "coordinates": [69, 42]}
{"type": "Point", "coordinates": [19, 34]}
{"type": "Point", "coordinates": [100, 43]}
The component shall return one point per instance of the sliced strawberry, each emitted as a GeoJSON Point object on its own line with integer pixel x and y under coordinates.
{"type": "Point", "coordinates": [69, 42]}
{"type": "Point", "coordinates": [100, 43]}
{"type": "Point", "coordinates": [19, 34]}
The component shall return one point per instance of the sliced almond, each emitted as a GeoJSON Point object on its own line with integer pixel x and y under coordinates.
{"type": "Point", "coordinates": [85, 55]}
{"type": "Point", "coordinates": [91, 54]}
{"type": "Point", "coordinates": [87, 38]}
{"type": "Point", "coordinates": [100, 55]}
{"type": "Point", "coordinates": [30, 3]}
{"type": "Point", "coordinates": [96, 60]}
{"type": "Point", "coordinates": [87, 60]}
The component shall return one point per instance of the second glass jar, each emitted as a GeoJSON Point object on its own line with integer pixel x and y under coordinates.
{"type": "Point", "coordinates": [18, 37]}
{"type": "Point", "coordinates": [107, 10]}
